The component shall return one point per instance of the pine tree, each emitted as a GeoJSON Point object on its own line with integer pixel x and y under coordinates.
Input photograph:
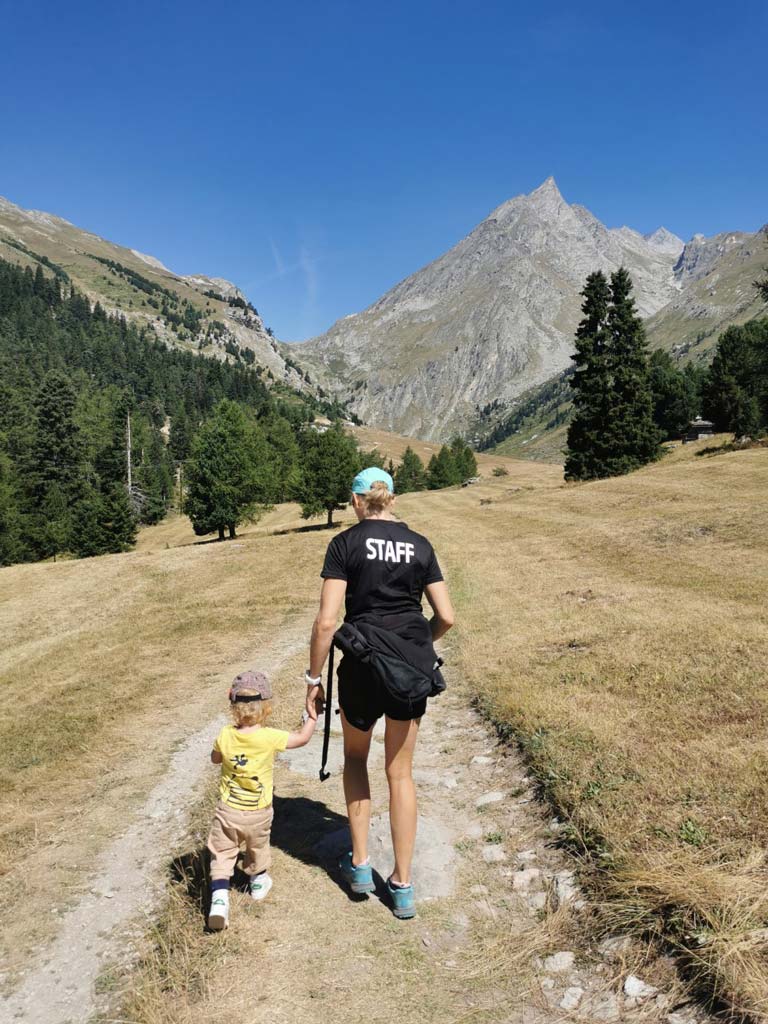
{"type": "Point", "coordinates": [118, 526]}
{"type": "Point", "coordinates": [56, 451]}
{"type": "Point", "coordinates": [371, 458]}
{"type": "Point", "coordinates": [286, 457]}
{"type": "Point", "coordinates": [633, 436]}
{"type": "Point", "coordinates": [87, 536]}
{"type": "Point", "coordinates": [442, 470]}
{"type": "Point", "coordinates": [12, 546]}
{"type": "Point", "coordinates": [674, 393]}
{"type": "Point", "coordinates": [329, 464]}
{"type": "Point", "coordinates": [153, 480]}
{"type": "Point", "coordinates": [56, 529]}
{"type": "Point", "coordinates": [112, 460]}
{"type": "Point", "coordinates": [181, 434]}
{"type": "Point", "coordinates": [735, 391]}
{"type": "Point", "coordinates": [586, 456]}
{"type": "Point", "coordinates": [464, 458]}
{"type": "Point", "coordinates": [410, 474]}
{"type": "Point", "coordinates": [229, 475]}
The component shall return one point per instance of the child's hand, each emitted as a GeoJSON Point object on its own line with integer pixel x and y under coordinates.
{"type": "Point", "coordinates": [315, 697]}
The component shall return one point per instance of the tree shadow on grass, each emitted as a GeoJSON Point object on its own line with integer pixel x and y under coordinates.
{"type": "Point", "coordinates": [312, 528]}
{"type": "Point", "coordinates": [305, 829]}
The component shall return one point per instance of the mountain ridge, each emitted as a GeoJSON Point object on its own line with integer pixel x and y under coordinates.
{"type": "Point", "coordinates": [488, 319]}
{"type": "Point", "coordinates": [126, 281]}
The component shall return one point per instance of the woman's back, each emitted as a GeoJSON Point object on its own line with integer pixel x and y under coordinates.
{"type": "Point", "coordinates": [386, 567]}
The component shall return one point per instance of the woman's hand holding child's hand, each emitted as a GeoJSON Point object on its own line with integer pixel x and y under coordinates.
{"type": "Point", "coordinates": [315, 700]}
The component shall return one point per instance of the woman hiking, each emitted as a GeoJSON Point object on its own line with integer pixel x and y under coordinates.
{"type": "Point", "coordinates": [380, 569]}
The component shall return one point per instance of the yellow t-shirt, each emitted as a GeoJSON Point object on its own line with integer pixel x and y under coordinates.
{"type": "Point", "coordinates": [247, 762]}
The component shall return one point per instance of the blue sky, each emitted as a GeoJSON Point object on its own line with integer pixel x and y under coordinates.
{"type": "Point", "coordinates": [318, 152]}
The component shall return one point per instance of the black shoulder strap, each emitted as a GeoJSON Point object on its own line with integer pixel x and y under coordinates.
{"type": "Point", "coordinates": [328, 713]}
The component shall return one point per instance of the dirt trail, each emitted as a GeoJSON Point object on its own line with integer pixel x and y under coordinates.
{"type": "Point", "coordinates": [500, 935]}
{"type": "Point", "coordinates": [127, 883]}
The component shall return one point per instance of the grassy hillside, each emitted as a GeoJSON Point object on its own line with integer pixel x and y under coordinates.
{"type": "Point", "coordinates": [197, 313]}
{"type": "Point", "coordinates": [617, 630]}
{"type": "Point", "coordinates": [393, 445]}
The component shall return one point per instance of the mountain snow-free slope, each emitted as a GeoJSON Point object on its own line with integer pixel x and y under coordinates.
{"type": "Point", "coordinates": [716, 289]}
{"type": "Point", "coordinates": [25, 234]}
{"type": "Point", "coordinates": [489, 319]}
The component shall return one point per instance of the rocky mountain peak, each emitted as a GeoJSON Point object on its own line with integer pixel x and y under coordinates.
{"type": "Point", "coordinates": [665, 241]}
{"type": "Point", "coordinates": [485, 321]}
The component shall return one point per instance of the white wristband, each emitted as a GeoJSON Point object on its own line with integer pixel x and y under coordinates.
{"type": "Point", "coordinates": [310, 680]}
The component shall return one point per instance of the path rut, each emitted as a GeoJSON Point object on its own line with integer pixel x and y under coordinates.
{"type": "Point", "coordinates": [500, 935]}
{"type": "Point", "coordinates": [128, 881]}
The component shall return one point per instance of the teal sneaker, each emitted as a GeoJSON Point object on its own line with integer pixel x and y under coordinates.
{"type": "Point", "coordinates": [403, 901]}
{"type": "Point", "coordinates": [360, 877]}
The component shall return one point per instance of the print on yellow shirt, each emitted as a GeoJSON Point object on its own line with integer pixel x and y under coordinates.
{"type": "Point", "coordinates": [247, 765]}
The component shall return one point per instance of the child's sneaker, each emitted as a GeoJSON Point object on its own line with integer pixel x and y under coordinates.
{"type": "Point", "coordinates": [359, 877]}
{"type": "Point", "coordinates": [403, 902]}
{"type": "Point", "coordinates": [218, 918]}
{"type": "Point", "coordinates": [260, 885]}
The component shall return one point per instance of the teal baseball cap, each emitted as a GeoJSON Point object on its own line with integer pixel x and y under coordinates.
{"type": "Point", "coordinates": [366, 478]}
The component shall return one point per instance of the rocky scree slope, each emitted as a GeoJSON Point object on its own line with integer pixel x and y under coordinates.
{"type": "Point", "coordinates": [488, 320]}
{"type": "Point", "coordinates": [715, 278]}
{"type": "Point", "coordinates": [206, 314]}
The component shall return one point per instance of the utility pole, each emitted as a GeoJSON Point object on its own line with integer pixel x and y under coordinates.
{"type": "Point", "coordinates": [128, 451]}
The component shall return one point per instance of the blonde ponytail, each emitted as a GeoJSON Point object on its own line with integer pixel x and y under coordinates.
{"type": "Point", "coordinates": [378, 499]}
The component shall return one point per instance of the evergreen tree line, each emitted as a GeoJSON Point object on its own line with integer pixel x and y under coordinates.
{"type": "Point", "coordinates": [452, 465]}
{"type": "Point", "coordinates": [241, 463]}
{"type": "Point", "coordinates": [73, 381]}
{"type": "Point", "coordinates": [626, 402]}
{"type": "Point", "coordinates": [97, 418]}
{"type": "Point", "coordinates": [735, 389]}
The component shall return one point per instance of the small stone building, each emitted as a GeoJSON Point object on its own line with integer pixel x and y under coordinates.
{"type": "Point", "coordinates": [697, 429]}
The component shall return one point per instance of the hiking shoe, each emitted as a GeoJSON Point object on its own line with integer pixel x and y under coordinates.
{"type": "Point", "coordinates": [260, 885]}
{"type": "Point", "coordinates": [403, 902]}
{"type": "Point", "coordinates": [359, 877]}
{"type": "Point", "coordinates": [218, 917]}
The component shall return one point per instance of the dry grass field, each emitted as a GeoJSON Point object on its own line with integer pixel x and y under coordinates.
{"type": "Point", "coordinates": [617, 630]}
{"type": "Point", "coordinates": [104, 663]}
{"type": "Point", "coordinates": [620, 631]}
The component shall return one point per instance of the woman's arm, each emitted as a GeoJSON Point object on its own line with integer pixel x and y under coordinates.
{"type": "Point", "coordinates": [331, 600]}
{"type": "Point", "coordinates": [442, 620]}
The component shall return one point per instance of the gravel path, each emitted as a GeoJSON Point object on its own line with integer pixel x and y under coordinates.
{"type": "Point", "coordinates": [503, 924]}
{"type": "Point", "coordinates": [128, 881]}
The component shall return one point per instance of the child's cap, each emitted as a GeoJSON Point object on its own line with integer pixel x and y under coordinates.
{"type": "Point", "coordinates": [251, 680]}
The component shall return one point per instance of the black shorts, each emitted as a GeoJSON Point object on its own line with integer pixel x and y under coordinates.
{"type": "Point", "coordinates": [364, 700]}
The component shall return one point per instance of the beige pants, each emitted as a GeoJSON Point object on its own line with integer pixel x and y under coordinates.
{"type": "Point", "coordinates": [230, 829]}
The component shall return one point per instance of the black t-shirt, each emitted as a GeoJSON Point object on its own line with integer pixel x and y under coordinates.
{"type": "Point", "coordinates": [386, 567]}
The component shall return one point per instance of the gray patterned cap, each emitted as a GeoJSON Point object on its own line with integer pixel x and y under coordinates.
{"type": "Point", "coordinates": [251, 680]}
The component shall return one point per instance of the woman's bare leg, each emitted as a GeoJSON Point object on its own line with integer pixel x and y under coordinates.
{"type": "Point", "coordinates": [399, 744]}
{"type": "Point", "coordinates": [357, 790]}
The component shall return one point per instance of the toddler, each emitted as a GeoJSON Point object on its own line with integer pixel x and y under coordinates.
{"type": "Point", "coordinates": [246, 752]}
